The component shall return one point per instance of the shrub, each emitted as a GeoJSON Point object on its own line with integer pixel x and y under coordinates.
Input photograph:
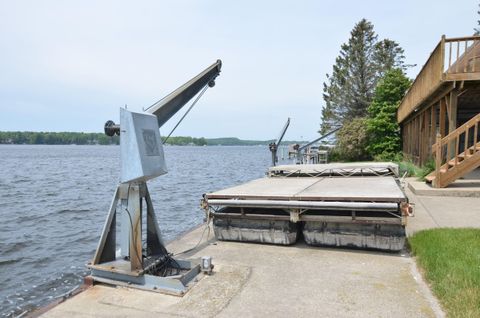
{"type": "Point", "coordinates": [352, 141]}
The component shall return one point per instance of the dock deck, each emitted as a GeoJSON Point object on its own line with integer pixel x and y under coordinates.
{"type": "Point", "coordinates": [369, 189]}
{"type": "Point", "coordinates": [254, 280]}
{"type": "Point", "coordinates": [345, 205]}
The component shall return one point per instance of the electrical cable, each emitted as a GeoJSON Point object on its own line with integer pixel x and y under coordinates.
{"type": "Point", "coordinates": [207, 226]}
{"type": "Point", "coordinates": [134, 239]}
{"type": "Point", "coordinates": [186, 113]}
{"type": "Point", "coordinates": [168, 262]}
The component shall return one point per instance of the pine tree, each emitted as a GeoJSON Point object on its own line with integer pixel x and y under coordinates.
{"type": "Point", "coordinates": [388, 55]}
{"type": "Point", "coordinates": [360, 64]}
{"type": "Point", "coordinates": [477, 29]}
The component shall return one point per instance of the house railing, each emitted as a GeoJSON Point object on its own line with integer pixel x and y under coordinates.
{"type": "Point", "coordinates": [453, 59]}
{"type": "Point", "coordinates": [455, 148]}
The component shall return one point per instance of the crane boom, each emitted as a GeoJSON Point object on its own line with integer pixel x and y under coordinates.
{"type": "Point", "coordinates": [282, 132]}
{"type": "Point", "coordinates": [319, 138]}
{"type": "Point", "coordinates": [168, 106]}
{"type": "Point", "coordinates": [274, 145]}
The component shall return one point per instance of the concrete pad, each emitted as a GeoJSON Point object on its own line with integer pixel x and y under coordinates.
{"type": "Point", "coordinates": [460, 188]}
{"type": "Point", "coordinates": [436, 211]}
{"type": "Point", "coordinates": [254, 280]}
{"type": "Point", "coordinates": [422, 218]}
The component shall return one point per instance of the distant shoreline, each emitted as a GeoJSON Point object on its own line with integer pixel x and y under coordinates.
{"type": "Point", "coordinates": [77, 138]}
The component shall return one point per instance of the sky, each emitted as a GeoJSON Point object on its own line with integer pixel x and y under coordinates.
{"type": "Point", "coordinates": [70, 65]}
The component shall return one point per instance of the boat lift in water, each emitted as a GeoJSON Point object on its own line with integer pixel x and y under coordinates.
{"type": "Point", "coordinates": [302, 153]}
{"type": "Point", "coordinates": [274, 145]}
{"type": "Point", "coordinates": [143, 261]}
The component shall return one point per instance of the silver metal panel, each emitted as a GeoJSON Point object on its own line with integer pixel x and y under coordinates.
{"type": "Point", "coordinates": [125, 229]}
{"type": "Point", "coordinates": [141, 150]}
{"type": "Point", "coordinates": [386, 237]}
{"type": "Point", "coordinates": [258, 231]}
{"type": "Point", "coordinates": [317, 205]}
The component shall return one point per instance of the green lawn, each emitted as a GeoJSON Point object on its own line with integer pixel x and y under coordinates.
{"type": "Point", "coordinates": [450, 260]}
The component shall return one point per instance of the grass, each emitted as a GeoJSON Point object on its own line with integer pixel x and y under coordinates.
{"type": "Point", "coordinates": [408, 167]}
{"type": "Point", "coordinates": [450, 260]}
{"type": "Point", "coordinates": [414, 171]}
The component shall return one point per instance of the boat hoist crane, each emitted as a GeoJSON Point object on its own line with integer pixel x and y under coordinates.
{"type": "Point", "coordinates": [274, 145]}
{"type": "Point", "coordinates": [300, 149]}
{"type": "Point", "coordinates": [142, 260]}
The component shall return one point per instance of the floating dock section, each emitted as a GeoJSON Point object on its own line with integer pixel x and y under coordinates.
{"type": "Point", "coordinates": [347, 205]}
{"type": "Point", "coordinates": [358, 169]}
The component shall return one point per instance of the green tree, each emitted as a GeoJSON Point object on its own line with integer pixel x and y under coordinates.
{"type": "Point", "coordinates": [103, 139]}
{"type": "Point", "coordinates": [362, 61]}
{"type": "Point", "coordinates": [382, 127]}
{"type": "Point", "coordinates": [352, 141]}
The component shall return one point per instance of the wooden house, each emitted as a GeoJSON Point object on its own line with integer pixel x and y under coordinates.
{"type": "Point", "coordinates": [440, 114]}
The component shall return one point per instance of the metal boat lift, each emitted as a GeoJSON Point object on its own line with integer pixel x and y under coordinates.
{"type": "Point", "coordinates": [308, 153]}
{"type": "Point", "coordinates": [350, 205]}
{"type": "Point", "coordinates": [274, 145]}
{"type": "Point", "coordinates": [142, 261]}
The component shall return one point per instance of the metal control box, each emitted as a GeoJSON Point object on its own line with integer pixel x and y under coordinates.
{"type": "Point", "coordinates": [141, 151]}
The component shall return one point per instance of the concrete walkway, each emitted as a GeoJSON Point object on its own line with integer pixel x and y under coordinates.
{"type": "Point", "coordinates": [255, 280]}
{"type": "Point", "coordinates": [468, 186]}
{"type": "Point", "coordinates": [443, 211]}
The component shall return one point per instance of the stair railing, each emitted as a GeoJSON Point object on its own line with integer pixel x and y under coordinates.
{"type": "Point", "coordinates": [446, 150]}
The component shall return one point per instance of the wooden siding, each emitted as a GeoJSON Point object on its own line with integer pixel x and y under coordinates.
{"type": "Point", "coordinates": [455, 59]}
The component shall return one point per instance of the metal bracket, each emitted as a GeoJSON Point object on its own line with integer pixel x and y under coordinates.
{"type": "Point", "coordinates": [133, 265]}
{"type": "Point", "coordinates": [295, 215]}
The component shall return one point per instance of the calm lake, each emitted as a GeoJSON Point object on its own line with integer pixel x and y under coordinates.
{"type": "Point", "coordinates": [54, 201]}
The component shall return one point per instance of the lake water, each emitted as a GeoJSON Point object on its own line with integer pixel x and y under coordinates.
{"type": "Point", "coordinates": [54, 200]}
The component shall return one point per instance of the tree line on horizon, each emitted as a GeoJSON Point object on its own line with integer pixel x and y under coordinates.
{"type": "Point", "coordinates": [80, 138]}
{"type": "Point", "coordinates": [56, 138]}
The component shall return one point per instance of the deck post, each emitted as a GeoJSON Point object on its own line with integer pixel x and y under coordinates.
{"type": "Point", "coordinates": [426, 131]}
{"type": "Point", "coordinates": [438, 161]}
{"type": "Point", "coordinates": [443, 110]}
{"type": "Point", "coordinates": [452, 120]}
{"type": "Point", "coordinates": [433, 126]}
{"type": "Point", "coordinates": [442, 60]}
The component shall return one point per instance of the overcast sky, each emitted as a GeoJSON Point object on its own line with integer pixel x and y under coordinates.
{"type": "Point", "coordinates": [70, 65]}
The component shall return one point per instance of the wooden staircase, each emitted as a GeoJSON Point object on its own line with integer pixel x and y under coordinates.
{"type": "Point", "coordinates": [456, 154]}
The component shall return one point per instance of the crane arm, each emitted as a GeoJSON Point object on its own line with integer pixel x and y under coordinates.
{"type": "Point", "coordinates": [319, 138]}
{"type": "Point", "coordinates": [168, 106]}
{"type": "Point", "coordinates": [282, 132]}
